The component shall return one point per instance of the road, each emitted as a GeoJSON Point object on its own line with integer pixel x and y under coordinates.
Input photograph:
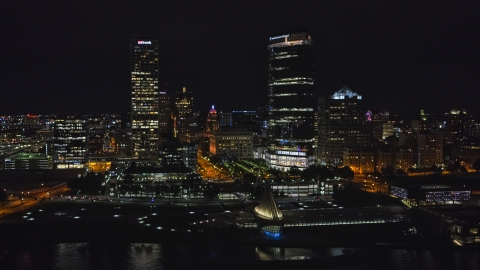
{"type": "Point", "coordinates": [16, 205]}
{"type": "Point", "coordinates": [371, 186]}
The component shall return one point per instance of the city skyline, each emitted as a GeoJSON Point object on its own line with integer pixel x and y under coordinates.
{"type": "Point", "coordinates": [402, 56]}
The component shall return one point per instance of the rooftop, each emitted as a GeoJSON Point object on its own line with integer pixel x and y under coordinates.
{"type": "Point", "coordinates": [28, 156]}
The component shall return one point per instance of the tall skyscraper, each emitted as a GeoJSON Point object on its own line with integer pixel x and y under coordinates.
{"type": "Point", "coordinates": [291, 100]}
{"type": "Point", "coordinates": [340, 124]}
{"type": "Point", "coordinates": [164, 113]}
{"type": "Point", "coordinates": [147, 120]}
{"type": "Point", "coordinates": [212, 120]}
{"type": "Point", "coordinates": [184, 114]}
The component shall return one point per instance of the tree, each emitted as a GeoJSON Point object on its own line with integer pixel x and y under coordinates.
{"type": "Point", "coordinates": [90, 183]}
{"type": "Point", "coordinates": [346, 172]}
{"type": "Point", "coordinates": [193, 179]}
{"type": "Point", "coordinates": [249, 177]}
{"type": "Point", "coordinates": [400, 172]}
{"type": "Point", "coordinates": [3, 195]}
{"type": "Point", "coordinates": [476, 165]}
{"type": "Point", "coordinates": [211, 191]}
{"type": "Point", "coordinates": [294, 171]}
{"type": "Point", "coordinates": [274, 172]}
{"type": "Point", "coordinates": [317, 172]}
{"type": "Point", "coordinates": [388, 170]}
{"type": "Point", "coordinates": [436, 169]}
{"type": "Point", "coordinates": [454, 166]}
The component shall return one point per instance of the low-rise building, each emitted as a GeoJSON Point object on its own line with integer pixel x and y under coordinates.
{"type": "Point", "coordinates": [404, 159]}
{"type": "Point", "coordinates": [360, 161]}
{"type": "Point", "coordinates": [27, 161]}
{"type": "Point", "coordinates": [232, 142]}
{"type": "Point", "coordinates": [430, 194]}
{"type": "Point", "coordinates": [459, 222]}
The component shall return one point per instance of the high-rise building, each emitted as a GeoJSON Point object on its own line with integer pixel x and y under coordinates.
{"type": "Point", "coordinates": [225, 119]}
{"type": "Point", "coordinates": [184, 112]}
{"type": "Point", "coordinates": [212, 120]}
{"type": "Point", "coordinates": [147, 113]}
{"type": "Point", "coordinates": [164, 113]}
{"type": "Point", "coordinates": [70, 143]}
{"type": "Point", "coordinates": [340, 125]}
{"type": "Point", "coordinates": [244, 119]}
{"type": "Point", "coordinates": [459, 126]}
{"type": "Point", "coordinates": [430, 149]}
{"type": "Point", "coordinates": [291, 100]}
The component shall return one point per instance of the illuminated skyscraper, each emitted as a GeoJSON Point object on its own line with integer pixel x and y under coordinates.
{"type": "Point", "coordinates": [291, 100]}
{"type": "Point", "coordinates": [340, 124]}
{"type": "Point", "coordinates": [146, 110]}
{"type": "Point", "coordinates": [164, 113]}
{"type": "Point", "coordinates": [184, 115]}
{"type": "Point", "coordinates": [70, 143]}
{"type": "Point", "coordinates": [212, 123]}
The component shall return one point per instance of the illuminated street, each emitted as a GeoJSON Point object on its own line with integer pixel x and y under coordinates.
{"type": "Point", "coordinates": [209, 171]}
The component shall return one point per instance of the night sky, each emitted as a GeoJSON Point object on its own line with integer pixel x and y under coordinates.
{"type": "Point", "coordinates": [73, 56]}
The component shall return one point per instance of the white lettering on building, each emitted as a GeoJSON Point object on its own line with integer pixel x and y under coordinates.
{"type": "Point", "coordinates": [277, 37]}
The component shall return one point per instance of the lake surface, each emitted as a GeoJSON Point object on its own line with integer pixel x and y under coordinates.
{"type": "Point", "coordinates": [121, 255]}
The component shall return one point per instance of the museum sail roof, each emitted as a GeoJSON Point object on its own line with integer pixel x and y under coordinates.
{"type": "Point", "coordinates": [267, 208]}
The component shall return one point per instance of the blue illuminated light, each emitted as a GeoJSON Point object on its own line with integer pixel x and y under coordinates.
{"type": "Point", "coordinates": [271, 234]}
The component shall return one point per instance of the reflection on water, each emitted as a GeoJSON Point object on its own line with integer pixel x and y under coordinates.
{"type": "Point", "coordinates": [282, 253]}
{"type": "Point", "coordinates": [74, 256]}
{"type": "Point", "coordinates": [87, 256]}
{"type": "Point", "coordinates": [146, 256]}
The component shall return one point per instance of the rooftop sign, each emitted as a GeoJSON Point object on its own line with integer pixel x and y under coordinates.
{"type": "Point", "coordinates": [277, 37]}
{"type": "Point", "coordinates": [141, 42]}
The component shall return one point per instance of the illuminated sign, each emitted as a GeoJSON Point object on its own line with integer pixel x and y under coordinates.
{"type": "Point", "coordinates": [141, 42]}
{"type": "Point", "coordinates": [162, 93]}
{"type": "Point", "coordinates": [277, 37]}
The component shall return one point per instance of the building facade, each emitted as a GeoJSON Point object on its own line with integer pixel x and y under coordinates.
{"type": "Point", "coordinates": [70, 143]}
{"type": "Point", "coordinates": [176, 153]}
{"type": "Point", "coordinates": [291, 99]}
{"type": "Point", "coordinates": [184, 113]}
{"type": "Point", "coordinates": [146, 114]}
{"type": "Point", "coordinates": [340, 126]}
{"type": "Point", "coordinates": [27, 161]}
{"type": "Point", "coordinates": [360, 161]}
{"type": "Point", "coordinates": [232, 143]}
{"type": "Point", "coordinates": [430, 149]}
{"type": "Point", "coordinates": [212, 122]}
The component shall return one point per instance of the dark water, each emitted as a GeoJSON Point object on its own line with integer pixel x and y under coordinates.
{"type": "Point", "coordinates": [74, 256]}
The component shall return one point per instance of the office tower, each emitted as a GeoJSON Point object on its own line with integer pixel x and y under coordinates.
{"type": "Point", "coordinates": [460, 128]}
{"type": "Point", "coordinates": [244, 119]}
{"type": "Point", "coordinates": [146, 112]}
{"type": "Point", "coordinates": [380, 124]}
{"type": "Point", "coordinates": [184, 112]}
{"type": "Point", "coordinates": [430, 149]}
{"type": "Point", "coordinates": [177, 153]}
{"type": "Point", "coordinates": [123, 144]}
{"type": "Point", "coordinates": [225, 119]}
{"type": "Point", "coordinates": [340, 125]}
{"type": "Point", "coordinates": [212, 120]}
{"type": "Point", "coordinates": [291, 100]}
{"type": "Point", "coordinates": [164, 113]}
{"type": "Point", "coordinates": [70, 143]}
